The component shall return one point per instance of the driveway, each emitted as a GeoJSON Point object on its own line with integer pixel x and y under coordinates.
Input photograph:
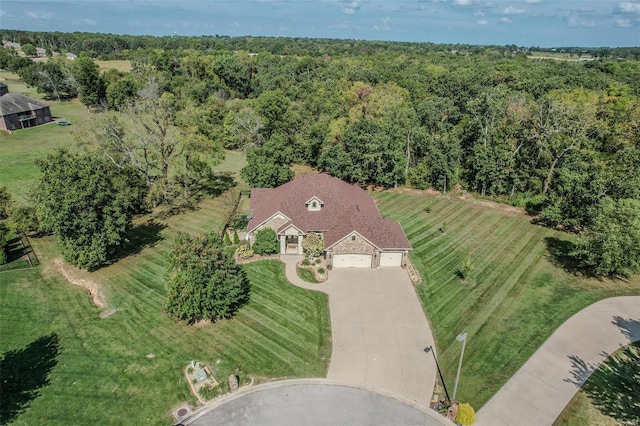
{"type": "Point", "coordinates": [379, 330]}
{"type": "Point", "coordinates": [541, 389]}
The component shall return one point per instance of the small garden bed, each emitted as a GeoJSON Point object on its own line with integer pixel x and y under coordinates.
{"type": "Point", "coordinates": [312, 271]}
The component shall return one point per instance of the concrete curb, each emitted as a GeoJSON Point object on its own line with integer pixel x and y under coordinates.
{"type": "Point", "coordinates": [313, 382]}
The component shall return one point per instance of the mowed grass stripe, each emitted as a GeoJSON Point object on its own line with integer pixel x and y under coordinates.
{"type": "Point", "coordinates": [514, 299]}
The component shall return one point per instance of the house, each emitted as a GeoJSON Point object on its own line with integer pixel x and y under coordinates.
{"type": "Point", "coordinates": [344, 215]}
{"type": "Point", "coordinates": [18, 111]}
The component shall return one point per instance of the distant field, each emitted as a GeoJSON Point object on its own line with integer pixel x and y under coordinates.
{"type": "Point", "coordinates": [124, 66]}
{"type": "Point", "coordinates": [516, 297]}
{"type": "Point", "coordinates": [557, 56]}
{"type": "Point", "coordinates": [16, 84]}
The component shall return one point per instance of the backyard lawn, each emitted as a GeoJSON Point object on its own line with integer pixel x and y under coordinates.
{"type": "Point", "coordinates": [516, 296]}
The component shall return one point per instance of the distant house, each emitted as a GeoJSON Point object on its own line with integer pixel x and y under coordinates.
{"type": "Point", "coordinates": [343, 215]}
{"type": "Point", "coordinates": [18, 111]}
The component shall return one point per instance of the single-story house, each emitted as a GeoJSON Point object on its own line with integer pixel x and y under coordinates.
{"type": "Point", "coordinates": [343, 215]}
{"type": "Point", "coordinates": [18, 111]}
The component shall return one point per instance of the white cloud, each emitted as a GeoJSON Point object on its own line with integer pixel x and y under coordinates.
{"type": "Point", "coordinates": [482, 22]}
{"type": "Point", "coordinates": [623, 23]}
{"type": "Point", "coordinates": [532, 1]}
{"type": "Point", "coordinates": [39, 15]}
{"type": "Point", "coordinates": [351, 7]}
{"type": "Point", "coordinates": [478, 13]}
{"type": "Point", "coordinates": [629, 7]}
{"type": "Point", "coordinates": [463, 3]}
{"type": "Point", "coordinates": [514, 11]}
{"type": "Point", "coordinates": [575, 22]}
{"type": "Point", "coordinates": [384, 26]}
{"type": "Point", "coordinates": [505, 20]}
{"type": "Point", "coordinates": [89, 21]}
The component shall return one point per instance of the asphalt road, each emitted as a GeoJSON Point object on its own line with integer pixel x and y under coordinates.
{"type": "Point", "coordinates": [315, 404]}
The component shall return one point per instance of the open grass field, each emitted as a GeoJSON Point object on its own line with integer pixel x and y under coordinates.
{"type": "Point", "coordinates": [610, 396]}
{"type": "Point", "coordinates": [515, 297]}
{"type": "Point", "coordinates": [120, 65]}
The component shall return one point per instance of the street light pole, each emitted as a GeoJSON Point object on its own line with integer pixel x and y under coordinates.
{"type": "Point", "coordinates": [430, 349]}
{"type": "Point", "coordinates": [462, 337]}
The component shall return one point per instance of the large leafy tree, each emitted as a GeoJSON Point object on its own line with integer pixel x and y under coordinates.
{"type": "Point", "coordinates": [611, 245]}
{"type": "Point", "coordinates": [88, 203]}
{"type": "Point", "coordinates": [268, 166]}
{"type": "Point", "coordinates": [90, 84]}
{"type": "Point", "coordinates": [204, 282]}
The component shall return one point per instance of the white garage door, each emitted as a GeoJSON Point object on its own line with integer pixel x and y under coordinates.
{"type": "Point", "coordinates": [352, 261]}
{"type": "Point", "coordinates": [390, 258]}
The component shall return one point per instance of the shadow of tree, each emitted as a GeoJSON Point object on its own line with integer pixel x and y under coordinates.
{"type": "Point", "coordinates": [629, 327]}
{"type": "Point", "coordinates": [560, 255]}
{"type": "Point", "coordinates": [614, 386]}
{"type": "Point", "coordinates": [218, 184]}
{"type": "Point", "coordinates": [24, 373]}
{"type": "Point", "coordinates": [144, 235]}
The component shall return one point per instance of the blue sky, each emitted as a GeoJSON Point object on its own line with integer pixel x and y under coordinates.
{"type": "Point", "coordinates": [546, 23]}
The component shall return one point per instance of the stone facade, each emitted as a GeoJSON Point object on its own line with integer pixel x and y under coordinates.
{"type": "Point", "coordinates": [349, 245]}
{"type": "Point", "coordinates": [275, 222]}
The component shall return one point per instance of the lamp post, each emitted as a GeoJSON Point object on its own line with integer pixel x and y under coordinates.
{"type": "Point", "coordinates": [462, 337]}
{"type": "Point", "coordinates": [430, 349]}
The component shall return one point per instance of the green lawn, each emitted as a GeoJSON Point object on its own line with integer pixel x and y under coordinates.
{"type": "Point", "coordinates": [102, 374]}
{"type": "Point", "coordinates": [306, 275]}
{"type": "Point", "coordinates": [516, 297]}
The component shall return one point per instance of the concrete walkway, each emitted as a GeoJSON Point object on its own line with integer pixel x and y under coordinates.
{"type": "Point", "coordinates": [539, 391]}
{"type": "Point", "coordinates": [379, 330]}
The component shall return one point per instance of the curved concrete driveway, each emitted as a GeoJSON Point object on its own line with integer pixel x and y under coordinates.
{"type": "Point", "coordinates": [541, 389]}
{"type": "Point", "coordinates": [378, 328]}
{"type": "Point", "coordinates": [313, 402]}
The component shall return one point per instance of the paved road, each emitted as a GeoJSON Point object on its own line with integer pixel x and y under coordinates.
{"type": "Point", "coordinates": [539, 391]}
{"type": "Point", "coordinates": [314, 402]}
{"type": "Point", "coordinates": [378, 328]}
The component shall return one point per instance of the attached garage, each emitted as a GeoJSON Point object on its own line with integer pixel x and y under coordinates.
{"type": "Point", "coordinates": [391, 258]}
{"type": "Point", "coordinates": [352, 261]}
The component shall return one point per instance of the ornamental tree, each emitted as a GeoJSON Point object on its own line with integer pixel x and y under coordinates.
{"type": "Point", "coordinates": [313, 244]}
{"type": "Point", "coordinates": [204, 282]}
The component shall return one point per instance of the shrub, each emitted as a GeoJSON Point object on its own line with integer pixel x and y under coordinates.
{"type": "Point", "coordinates": [466, 414]}
{"type": "Point", "coordinates": [236, 238]}
{"type": "Point", "coordinates": [318, 260]}
{"type": "Point", "coordinates": [465, 271]}
{"type": "Point", "coordinates": [227, 240]}
{"type": "Point", "coordinates": [305, 262]}
{"type": "Point", "coordinates": [244, 251]}
{"type": "Point", "coordinates": [266, 242]}
{"type": "Point", "coordinates": [321, 271]}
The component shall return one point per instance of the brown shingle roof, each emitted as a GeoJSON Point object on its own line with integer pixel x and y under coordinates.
{"type": "Point", "coordinates": [347, 208]}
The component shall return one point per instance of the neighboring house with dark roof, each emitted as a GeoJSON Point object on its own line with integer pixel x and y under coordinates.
{"type": "Point", "coordinates": [18, 111]}
{"type": "Point", "coordinates": [344, 215]}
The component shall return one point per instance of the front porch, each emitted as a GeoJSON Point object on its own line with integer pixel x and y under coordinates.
{"type": "Point", "coordinates": [291, 244]}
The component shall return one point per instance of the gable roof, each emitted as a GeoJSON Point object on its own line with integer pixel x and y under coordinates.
{"type": "Point", "coordinates": [347, 208]}
{"type": "Point", "coordinates": [14, 103]}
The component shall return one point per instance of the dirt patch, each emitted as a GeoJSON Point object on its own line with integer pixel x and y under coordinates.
{"type": "Point", "coordinates": [514, 211]}
{"type": "Point", "coordinates": [97, 297]}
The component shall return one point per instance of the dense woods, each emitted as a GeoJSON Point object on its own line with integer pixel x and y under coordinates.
{"type": "Point", "coordinates": [560, 138]}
